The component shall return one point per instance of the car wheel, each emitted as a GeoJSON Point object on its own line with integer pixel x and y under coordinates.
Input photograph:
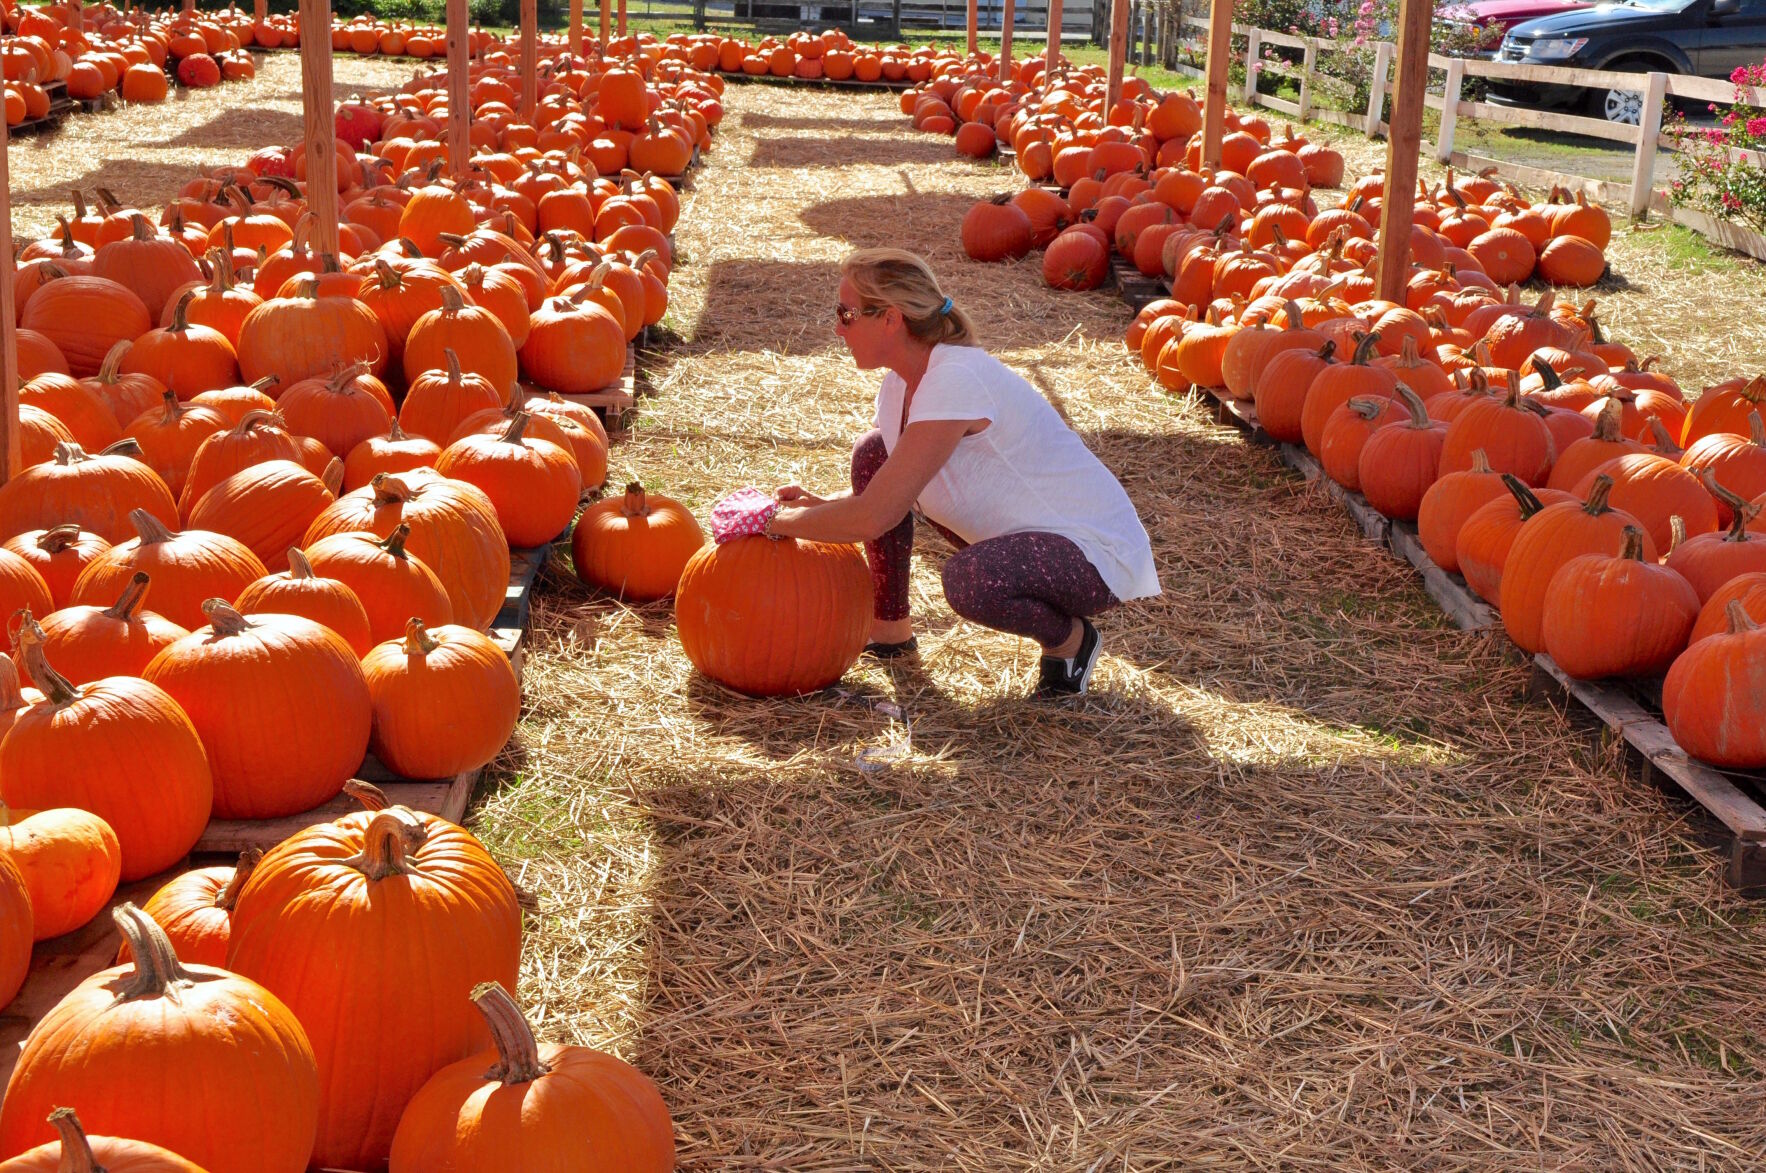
{"type": "Point", "coordinates": [1622, 106]}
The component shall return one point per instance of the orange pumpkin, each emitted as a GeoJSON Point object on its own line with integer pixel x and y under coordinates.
{"type": "Point", "coordinates": [70, 861]}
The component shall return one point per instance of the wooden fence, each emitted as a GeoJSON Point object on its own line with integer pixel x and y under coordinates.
{"type": "Point", "coordinates": [1646, 140]}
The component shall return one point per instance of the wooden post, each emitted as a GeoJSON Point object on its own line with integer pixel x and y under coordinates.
{"type": "Point", "coordinates": [1220, 44]}
{"type": "Point", "coordinates": [530, 60]}
{"type": "Point", "coordinates": [260, 11]}
{"type": "Point", "coordinates": [78, 15]}
{"type": "Point", "coordinates": [1006, 14]}
{"type": "Point", "coordinates": [1649, 129]}
{"type": "Point", "coordinates": [605, 38]}
{"type": "Point", "coordinates": [622, 18]}
{"type": "Point", "coordinates": [1376, 98]}
{"type": "Point", "coordinates": [973, 26]}
{"type": "Point", "coordinates": [459, 90]}
{"type": "Point", "coordinates": [1051, 57]}
{"type": "Point", "coordinates": [1118, 52]}
{"type": "Point", "coordinates": [1456, 75]}
{"type": "Point", "coordinates": [576, 28]}
{"type": "Point", "coordinates": [11, 457]}
{"type": "Point", "coordinates": [1403, 145]}
{"type": "Point", "coordinates": [321, 122]}
{"type": "Point", "coordinates": [1308, 63]}
{"type": "Point", "coordinates": [1253, 49]}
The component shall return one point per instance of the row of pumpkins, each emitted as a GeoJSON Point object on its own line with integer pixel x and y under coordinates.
{"type": "Point", "coordinates": [1137, 189]}
{"type": "Point", "coordinates": [348, 447]}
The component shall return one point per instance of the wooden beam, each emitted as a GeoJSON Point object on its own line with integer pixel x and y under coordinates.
{"type": "Point", "coordinates": [459, 86]}
{"type": "Point", "coordinates": [576, 28]}
{"type": "Point", "coordinates": [605, 37]}
{"type": "Point", "coordinates": [321, 122]}
{"type": "Point", "coordinates": [1052, 55]}
{"type": "Point", "coordinates": [530, 59]}
{"type": "Point", "coordinates": [1007, 13]}
{"type": "Point", "coordinates": [1118, 53]}
{"type": "Point", "coordinates": [973, 27]}
{"type": "Point", "coordinates": [1220, 48]}
{"type": "Point", "coordinates": [1403, 145]}
{"type": "Point", "coordinates": [622, 18]}
{"type": "Point", "coordinates": [11, 456]}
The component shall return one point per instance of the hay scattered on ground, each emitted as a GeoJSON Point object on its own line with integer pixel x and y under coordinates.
{"type": "Point", "coordinates": [1306, 883]}
{"type": "Point", "coordinates": [144, 154]}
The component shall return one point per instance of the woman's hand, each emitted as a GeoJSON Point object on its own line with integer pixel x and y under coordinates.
{"type": "Point", "coordinates": [797, 495]}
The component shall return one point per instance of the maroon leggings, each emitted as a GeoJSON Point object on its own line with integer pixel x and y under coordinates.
{"type": "Point", "coordinates": [1031, 584]}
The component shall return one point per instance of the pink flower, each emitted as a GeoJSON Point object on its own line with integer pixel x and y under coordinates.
{"type": "Point", "coordinates": [1757, 127]}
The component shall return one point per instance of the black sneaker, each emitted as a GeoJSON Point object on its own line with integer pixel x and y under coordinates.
{"type": "Point", "coordinates": [882, 651]}
{"type": "Point", "coordinates": [1070, 677]}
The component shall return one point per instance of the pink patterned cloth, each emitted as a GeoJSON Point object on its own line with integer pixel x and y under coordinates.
{"type": "Point", "coordinates": [741, 514]}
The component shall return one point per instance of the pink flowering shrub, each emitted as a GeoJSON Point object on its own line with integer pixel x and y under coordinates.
{"type": "Point", "coordinates": [1721, 169]}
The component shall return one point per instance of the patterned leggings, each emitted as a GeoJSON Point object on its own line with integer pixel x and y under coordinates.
{"type": "Point", "coordinates": [1031, 584]}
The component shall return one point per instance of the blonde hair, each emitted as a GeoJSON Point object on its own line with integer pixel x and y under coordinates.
{"type": "Point", "coordinates": [895, 277]}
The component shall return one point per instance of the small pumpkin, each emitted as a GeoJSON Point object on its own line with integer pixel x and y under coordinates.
{"type": "Point", "coordinates": [76, 1152]}
{"type": "Point", "coordinates": [1711, 697]}
{"type": "Point", "coordinates": [635, 546]}
{"type": "Point", "coordinates": [187, 567]}
{"type": "Point", "coordinates": [394, 450]}
{"type": "Point", "coordinates": [299, 591]}
{"type": "Point", "coordinates": [88, 643]}
{"type": "Point", "coordinates": [445, 700]}
{"type": "Point", "coordinates": [58, 554]}
{"type": "Point", "coordinates": [70, 861]}
{"type": "Point", "coordinates": [534, 484]}
{"type": "Point", "coordinates": [392, 583]}
{"type": "Point", "coordinates": [195, 910]}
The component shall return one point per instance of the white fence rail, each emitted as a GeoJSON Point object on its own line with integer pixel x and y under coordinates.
{"type": "Point", "coordinates": [1646, 139]}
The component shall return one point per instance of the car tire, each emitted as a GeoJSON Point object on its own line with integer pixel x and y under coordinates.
{"type": "Point", "coordinates": [1624, 107]}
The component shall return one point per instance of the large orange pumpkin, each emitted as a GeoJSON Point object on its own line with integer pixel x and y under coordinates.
{"type": "Point", "coordinates": [774, 618]}
{"type": "Point", "coordinates": [87, 642]}
{"type": "Point", "coordinates": [571, 1108]}
{"type": "Point", "coordinates": [187, 568]}
{"type": "Point", "coordinates": [95, 492]}
{"type": "Point", "coordinates": [411, 914]}
{"type": "Point", "coordinates": [533, 483]}
{"type": "Point", "coordinates": [239, 1090]}
{"type": "Point", "coordinates": [1711, 698]}
{"type": "Point", "coordinates": [445, 700]}
{"type": "Point", "coordinates": [392, 583]}
{"type": "Point", "coordinates": [298, 591]}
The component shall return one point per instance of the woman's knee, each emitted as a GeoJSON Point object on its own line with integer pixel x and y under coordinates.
{"type": "Point", "coordinates": [965, 589]}
{"type": "Point", "coordinates": [868, 456]}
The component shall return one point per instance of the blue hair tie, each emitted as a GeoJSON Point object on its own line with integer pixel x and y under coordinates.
{"type": "Point", "coordinates": [945, 308]}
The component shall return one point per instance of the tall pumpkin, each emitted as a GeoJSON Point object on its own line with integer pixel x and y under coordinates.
{"type": "Point", "coordinates": [1488, 533]}
{"type": "Point", "coordinates": [453, 529]}
{"type": "Point", "coordinates": [565, 1109]}
{"type": "Point", "coordinates": [234, 1086]}
{"type": "Point", "coordinates": [774, 618]}
{"type": "Point", "coordinates": [445, 700]}
{"type": "Point", "coordinates": [1711, 697]}
{"type": "Point", "coordinates": [246, 682]}
{"type": "Point", "coordinates": [471, 333]}
{"type": "Point", "coordinates": [410, 913]}
{"type": "Point", "coordinates": [120, 748]}
{"type": "Point", "coordinates": [288, 339]}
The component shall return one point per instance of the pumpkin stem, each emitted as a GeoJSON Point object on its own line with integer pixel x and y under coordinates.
{"type": "Point", "coordinates": [1548, 375]}
{"type": "Point", "coordinates": [157, 969]}
{"type": "Point", "coordinates": [518, 1052]}
{"type": "Point", "coordinates": [1366, 407]}
{"type": "Point", "coordinates": [151, 529]}
{"type": "Point", "coordinates": [223, 619]}
{"type": "Point", "coordinates": [372, 797]}
{"type": "Point", "coordinates": [1664, 445]}
{"type": "Point", "coordinates": [389, 488]}
{"type": "Point", "coordinates": [299, 566]}
{"type": "Point", "coordinates": [1756, 430]}
{"type": "Point", "coordinates": [54, 541]}
{"type": "Point", "coordinates": [1481, 462]}
{"type": "Point", "coordinates": [124, 608]}
{"type": "Point", "coordinates": [12, 697]}
{"type": "Point", "coordinates": [1364, 347]}
{"type": "Point", "coordinates": [1676, 532]}
{"type": "Point", "coordinates": [1524, 496]}
{"type": "Point", "coordinates": [1631, 544]}
{"type": "Point", "coordinates": [394, 543]}
{"type": "Point", "coordinates": [1597, 496]}
{"type": "Point", "coordinates": [453, 361]}
{"type": "Point", "coordinates": [181, 313]}
{"type": "Point", "coordinates": [1419, 415]}
{"type": "Point", "coordinates": [1606, 422]}
{"type": "Point", "coordinates": [387, 842]}
{"type": "Point", "coordinates": [228, 896]}
{"type": "Point", "coordinates": [418, 641]}
{"type": "Point", "coordinates": [452, 302]}
{"type": "Point", "coordinates": [129, 447]}
{"type": "Point", "coordinates": [1743, 509]}
{"type": "Point", "coordinates": [635, 505]}
{"type": "Point", "coordinates": [394, 432]}
{"type": "Point", "coordinates": [76, 1151]}
{"type": "Point", "coordinates": [1739, 620]}
{"type": "Point", "coordinates": [517, 425]}
{"type": "Point", "coordinates": [113, 359]}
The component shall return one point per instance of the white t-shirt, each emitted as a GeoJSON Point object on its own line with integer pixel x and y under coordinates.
{"type": "Point", "coordinates": [1026, 472]}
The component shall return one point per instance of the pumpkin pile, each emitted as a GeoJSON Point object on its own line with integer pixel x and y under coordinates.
{"type": "Point", "coordinates": [406, 1054]}
{"type": "Point", "coordinates": [97, 51]}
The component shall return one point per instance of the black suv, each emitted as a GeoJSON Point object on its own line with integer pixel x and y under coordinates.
{"type": "Point", "coordinates": [1709, 38]}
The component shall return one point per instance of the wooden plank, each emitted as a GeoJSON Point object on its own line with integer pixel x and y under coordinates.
{"type": "Point", "coordinates": [1546, 120]}
{"type": "Point", "coordinates": [1467, 610]}
{"type": "Point", "coordinates": [1137, 288]}
{"type": "Point", "coordinates": [1051, 54]}
{"type": "Point", "coordinates": [1280, 104]}
{"type": "Point", "coordinates": [1397, 210]}
{"type": "Point", "coordinates": [1376, 98]}
{"type": "Point", "coordinates": [61, 963]}
{"type": "Point", "coordinates": [321, 127]}
{"type": "Point", "coordinates": [1456, 73]}
{"type": "Point", "coordinates": [614, 403]}
{"type": "Point", "coordinates": [529, 62]}
{"type": "Point", "coordinates": [1599, 79]}
{"type": "Point", "coordinates": [459, 18]}
{"type": "Point", "coordinates": [576, 28]}
{"type": "Point", "coordinates": [1598, 190]}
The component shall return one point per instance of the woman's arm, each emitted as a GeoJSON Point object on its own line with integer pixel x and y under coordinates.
{"type": "Point", "coordinates": [921, 452]}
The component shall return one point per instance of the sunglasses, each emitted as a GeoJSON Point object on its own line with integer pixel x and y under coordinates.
{"type": "Point", "coordinates": [846, 315]}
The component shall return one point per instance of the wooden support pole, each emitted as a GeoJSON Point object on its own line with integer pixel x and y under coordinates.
{"type": "Point", "coordinates": [530, 60]}
{"type": "Point", "coordinates": [459, 88]}
{"type": "Point", "coordinates": [1403, 145]}
{"type": "Point", "coordinates": [1052, 55]}
{"type": "Point", "coordinates": [1643, 168]}
{"type": "Point", "coordinates": [10, 455]}
{"type": "Point", "coordinates": [1456, 75]}
{"type": "Point", "coordinates": [260, 11]}
{"type": "Point", "coordinates": [576, 28]}
{"type": "Point", "coordinates": [1007, 12]}
{"type": "Point", "coordinates": [321, 122]}
{"type": "Point", "coordinates": [1220, 47]}
{"type": "Point", "coordinates": [974, 20]}
{"type": "Point", "coordinates": [606, 37]}
{"type": "Point", "coordinates": [1118, 52]}
{"type": "Point", "coordinates": [622, 18]}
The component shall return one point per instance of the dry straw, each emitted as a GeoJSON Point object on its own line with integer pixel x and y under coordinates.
{"type": "Point", "coordinates": [1305, 884]}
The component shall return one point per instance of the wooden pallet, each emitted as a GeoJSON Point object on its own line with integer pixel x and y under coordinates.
{"type": "Point", "coordinates": [1631, 710]}
{"type": "Point", "coordinates": [1137, 288]}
